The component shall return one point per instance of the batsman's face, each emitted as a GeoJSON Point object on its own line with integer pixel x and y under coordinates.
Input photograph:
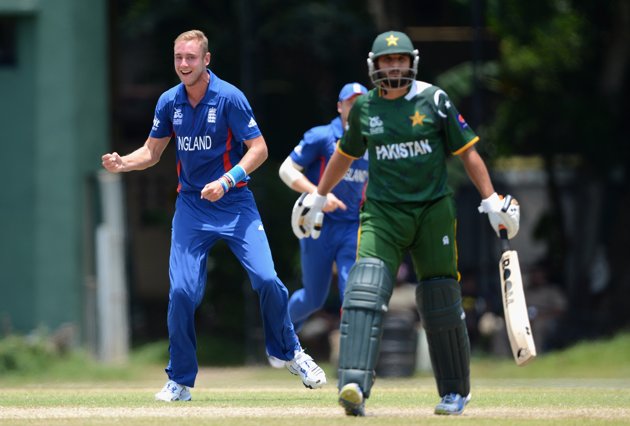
{"type": "Point", "coordinates": [190, 61]}
{"type": "Point", "coordinates": [394, 65]}
{"type": "Point", "coordinates": [394, 71]}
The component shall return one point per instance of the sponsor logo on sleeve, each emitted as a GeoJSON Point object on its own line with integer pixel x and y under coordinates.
{"type": "Point", "coordinates": [462, 122]}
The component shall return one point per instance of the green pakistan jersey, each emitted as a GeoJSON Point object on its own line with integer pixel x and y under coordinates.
{"type": "Point", "coordinates": [408, 141]}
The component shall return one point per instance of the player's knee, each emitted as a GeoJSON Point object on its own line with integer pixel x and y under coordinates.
{"type": "Point", "coordinates": [269, 285]}
{"type": "Point", "coordinates": [181, 297]}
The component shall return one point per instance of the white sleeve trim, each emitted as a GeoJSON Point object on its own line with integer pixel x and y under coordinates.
{"type": "Point", "coordinates": [290, 171]}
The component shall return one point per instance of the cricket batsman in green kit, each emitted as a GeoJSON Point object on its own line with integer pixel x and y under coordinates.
{"type": "Point", "coordinates": [409, 129]}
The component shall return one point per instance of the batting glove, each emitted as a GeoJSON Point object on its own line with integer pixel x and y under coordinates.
{"type": "Point", "coordinates": [502, 211]}
{"type": "Point", "coordinates": [307, 216]}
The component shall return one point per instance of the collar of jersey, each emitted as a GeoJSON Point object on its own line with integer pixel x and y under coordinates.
{"type": "Point", "coordinates": [211, 92]}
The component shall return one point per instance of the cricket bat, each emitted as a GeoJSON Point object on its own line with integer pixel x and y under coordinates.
{"type": "Point", "coordinates": [517, 324]}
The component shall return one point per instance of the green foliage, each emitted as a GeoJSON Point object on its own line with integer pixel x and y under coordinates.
{"type": "Point", "coordinates": [20, 354]}
{"type": "Point", "coordinates": [211, 350]}
{"type": "Point", "coordinates": [549, 67]}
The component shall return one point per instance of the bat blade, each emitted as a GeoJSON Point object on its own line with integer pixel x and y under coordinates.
{"type": "Point", "coordinates": [515, 309]}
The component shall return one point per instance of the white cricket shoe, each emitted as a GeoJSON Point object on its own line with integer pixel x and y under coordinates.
{"type": "Point", "coordinates": [452, 404]}
{"type": "Point", "coordinates": [173, 392]}
{"type": "Point", "coordinates": [311, 374]}
{"type": "Point", "coordinates": [276, 362]}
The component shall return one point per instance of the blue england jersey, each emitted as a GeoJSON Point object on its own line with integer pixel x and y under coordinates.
{"type": "Point", "coordinates": [209, 147]}
{"type": "Point", "coordinates": [313, 152]}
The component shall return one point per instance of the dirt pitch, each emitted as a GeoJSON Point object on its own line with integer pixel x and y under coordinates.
{"type": "Point", "coordinates": [43, 413]}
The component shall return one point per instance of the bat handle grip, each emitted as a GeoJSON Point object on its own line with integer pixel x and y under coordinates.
{"type": "Point", "coordinates": [505, 242]}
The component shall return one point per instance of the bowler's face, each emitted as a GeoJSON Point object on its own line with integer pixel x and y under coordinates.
{"type": "Point", "coordinates": [344, 108]}
{"type": "Point", "coordinates": [190, 62]}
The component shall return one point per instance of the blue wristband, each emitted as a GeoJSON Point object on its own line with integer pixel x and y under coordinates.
{"type": "Point", "coordinates": [224, 184]}
{"type": "Point", "coordinates": [235, 175]}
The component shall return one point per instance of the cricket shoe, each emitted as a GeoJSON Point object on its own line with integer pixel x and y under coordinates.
{"type": "Point", "coordinates": [311, 374]}
{"type": "Point", "coordinates": [452, 404]}
{"type": "Point", "coordinates": [351, 399]}
{"type": "Point", "coordinates": [276, 362]}
{"type": "Point", "coordinates": [173, 392]}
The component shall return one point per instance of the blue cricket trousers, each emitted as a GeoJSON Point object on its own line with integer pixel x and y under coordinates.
{"type": "Point", "coordinates": [197, 225]}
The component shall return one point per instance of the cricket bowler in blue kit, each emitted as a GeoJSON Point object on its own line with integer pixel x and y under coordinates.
{"type": "Point", "coordinates": [218, 145]}
{"type": "Point", "coordinates": [337, 243]}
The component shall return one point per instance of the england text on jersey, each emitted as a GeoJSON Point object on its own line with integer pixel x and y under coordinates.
{"type": "Point", "coordinates": [198, 143]}
{"type": "Point", "coordinates": [403, 150]}
{"type": "Point", "coordinates": [355, 175]}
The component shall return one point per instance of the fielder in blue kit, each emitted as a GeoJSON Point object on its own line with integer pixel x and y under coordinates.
{"type": "Point", "coordinates": [218, 145]}
{"type": "Point", "coordinates": [337, 244]}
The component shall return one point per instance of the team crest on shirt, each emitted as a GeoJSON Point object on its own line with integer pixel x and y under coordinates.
{"type": "Point", "coordinates": [177, 117]}
{"type": "Point", "coordinates": [376, 125]}
{"type": "Point", "coordinates": [212, 115]}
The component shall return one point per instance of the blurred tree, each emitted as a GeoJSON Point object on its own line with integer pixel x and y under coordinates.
{"type": "Point", "coordinates": [561, 87]}
{"type": "Point", "coordinates": [562, 79]}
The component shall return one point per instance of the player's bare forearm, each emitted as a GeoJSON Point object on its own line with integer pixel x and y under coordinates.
{"type": "Point", "coordinates": [142, 158]}
{"type": "Point", "coordinates": [335, 170]}
{"type": "Point", "coordinates": [302, 184]}
{"type": "Point", "coordinates": [477, 172]}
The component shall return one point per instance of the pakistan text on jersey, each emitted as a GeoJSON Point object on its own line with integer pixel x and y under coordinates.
{"type": "Point", "coordinates": [403, 150]}
{"type": "Point", "coordinates": [355, 175]}
{"type": "Point", "coordinates": [198, 143]}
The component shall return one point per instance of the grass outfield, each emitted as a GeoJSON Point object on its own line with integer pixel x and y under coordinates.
{"type": "Point", "coordinates": [588, 384]}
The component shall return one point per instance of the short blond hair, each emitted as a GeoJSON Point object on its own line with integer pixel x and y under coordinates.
{"type": "Point", "coordinates": [194, 35]}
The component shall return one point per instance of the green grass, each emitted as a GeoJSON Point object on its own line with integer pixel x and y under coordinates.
{"type": "Point", "coordinates": [587, 384]}
{"type": "Point", "coordinates": [590, 359]}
